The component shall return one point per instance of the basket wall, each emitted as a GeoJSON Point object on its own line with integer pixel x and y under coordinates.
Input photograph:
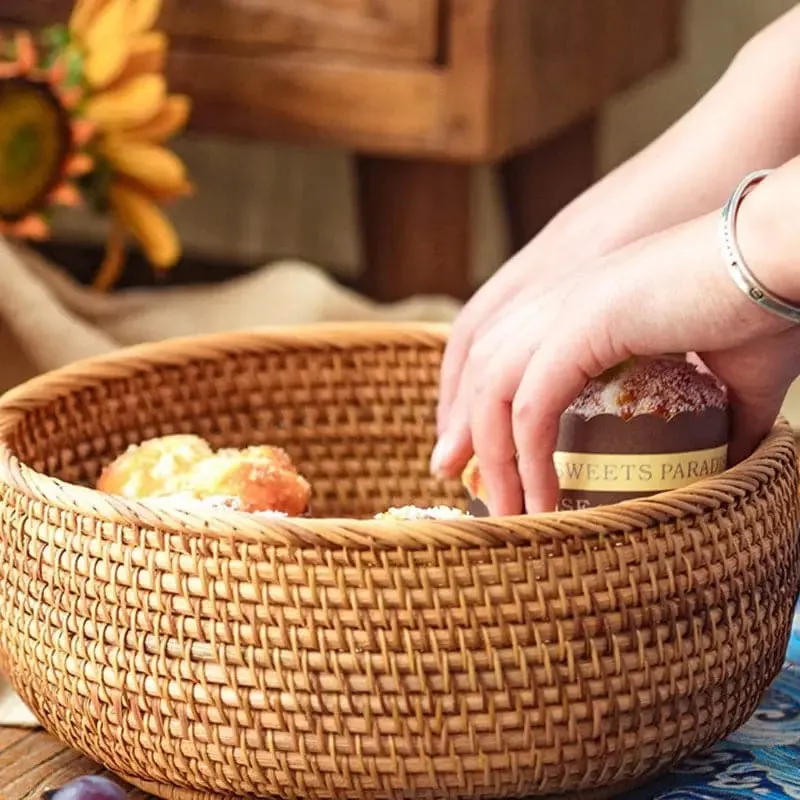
{"type": "Point", "coordinates": [226, 658]}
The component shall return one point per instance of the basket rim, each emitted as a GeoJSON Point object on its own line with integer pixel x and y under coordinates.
{"type": "Point", "coordinates": [701, 498]}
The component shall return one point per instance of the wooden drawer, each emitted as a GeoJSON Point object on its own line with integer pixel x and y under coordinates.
{"type": "Point", "coordinates": [391, 30]}
{"type": "Point", "coordinates": [403, 30]}
{"type": "Point", "coordinates": [474, 80]}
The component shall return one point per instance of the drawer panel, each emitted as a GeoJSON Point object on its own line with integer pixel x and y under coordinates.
{"type": "Point", "coordinates": [388, 30]}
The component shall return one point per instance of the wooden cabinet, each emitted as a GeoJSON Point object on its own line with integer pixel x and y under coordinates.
{"type": "Point", "coordinates": [404, 31]}
{"type": "Point", "coordinates": [420, 90]}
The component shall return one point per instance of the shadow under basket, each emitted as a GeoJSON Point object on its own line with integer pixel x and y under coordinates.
{"type": "Point", "coordinates": [227, 656]}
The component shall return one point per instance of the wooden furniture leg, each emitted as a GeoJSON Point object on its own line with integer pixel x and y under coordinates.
{"type": "Point", "coordinates": [538, 183]}
{"type": "Point", "coordinates": [415, 227]}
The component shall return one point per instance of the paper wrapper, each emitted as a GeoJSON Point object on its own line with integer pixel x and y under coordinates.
{"type": "Point", "coordinates": [606, 459]}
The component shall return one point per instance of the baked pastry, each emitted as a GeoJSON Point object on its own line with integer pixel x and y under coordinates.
{"type": "Point", "coordinates": [260, 478]}
{"type": "Point", "coordinates": [411, 513]}
{"type": "Point", "coordinates": [185, 468]}
{"type": "Point", "coordinates": [471, 478]}
{"type": "Point", "coordinates": [647, 426]}
{"type": "Point", "coordinates": [154, 468]}
{"type": "Point", "coordinates": [186, 501]}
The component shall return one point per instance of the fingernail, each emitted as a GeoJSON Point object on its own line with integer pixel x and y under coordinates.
{"type": "Point", "coordinates": [441, 455]}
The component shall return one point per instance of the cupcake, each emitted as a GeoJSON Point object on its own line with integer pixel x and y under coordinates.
{"type": "Point", "coordinates": [647, 426]}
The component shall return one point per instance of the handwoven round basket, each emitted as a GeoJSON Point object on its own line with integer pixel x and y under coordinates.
{"type": "Point", "coordinates": [227, 656]}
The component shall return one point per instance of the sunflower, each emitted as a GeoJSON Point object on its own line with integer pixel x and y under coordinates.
{"type": "Point", "coordinates": [42, 136]}
{"type": "Point", "coordinates": [133, 116]}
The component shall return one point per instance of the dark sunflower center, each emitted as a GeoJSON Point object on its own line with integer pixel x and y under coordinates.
{"type": "Point", "coordinates": [23, 151]}
{"type": "Point", "coordinates": [34, 143]}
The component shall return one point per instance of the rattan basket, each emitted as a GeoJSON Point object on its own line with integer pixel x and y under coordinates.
{"type": "Point", "coordinates": [226, 656]}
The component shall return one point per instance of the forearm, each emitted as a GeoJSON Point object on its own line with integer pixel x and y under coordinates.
{"type": "Point", "coordinates": [749, 120]}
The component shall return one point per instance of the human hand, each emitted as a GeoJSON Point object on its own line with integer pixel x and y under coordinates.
{"type": "Point", "coordinates": [685, 173]}
{"type": "Point", "coordinates": [669, 292]}
{"type": "Point", "coordinates": [537, 267]}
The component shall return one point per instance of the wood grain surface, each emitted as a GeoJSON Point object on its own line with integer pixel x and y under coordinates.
{"type": "Point", "coordinates": [475, 81]}
{"type": "Point", "coordinates": [33, 761]}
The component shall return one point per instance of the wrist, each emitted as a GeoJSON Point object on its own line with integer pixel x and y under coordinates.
{"type": "Point", "coordinates": [768, 235]}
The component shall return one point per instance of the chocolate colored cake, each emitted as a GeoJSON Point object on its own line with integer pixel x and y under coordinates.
{"type": "Point", "coordinates": [647, 426]}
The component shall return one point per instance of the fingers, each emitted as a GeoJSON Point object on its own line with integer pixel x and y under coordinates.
{"type": "Point", "coordinates": [473, 317]}
{"type": "Point", "coordinates": [480, 417]}
{"type": "Point", "coordinates": [751, 422]}
{"type": "Point", "coordinates": [490, 373]}
{"type": "Point", "coordinates": [758, 376]}
{"type": "Point", "coordinates": [493, 440]}
{"type": "Point", "coordinates": [454, 446]}
{"type": "Point", "coordinates": [455, 356]}
{"type": "Point", "coordinates": [553, 378]}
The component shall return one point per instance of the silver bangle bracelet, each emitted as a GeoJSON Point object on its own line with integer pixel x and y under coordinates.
{"type": "Point", "coordinates": [734, 261]}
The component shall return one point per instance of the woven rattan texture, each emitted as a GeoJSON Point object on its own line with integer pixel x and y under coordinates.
{"type": "Point", "coordinates": [224, 657]}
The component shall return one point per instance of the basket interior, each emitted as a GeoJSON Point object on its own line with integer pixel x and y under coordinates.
{"type": "Point", "coordinates": [358, 421]}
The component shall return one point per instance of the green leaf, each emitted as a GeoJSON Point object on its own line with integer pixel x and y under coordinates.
{"type": "Point", "coordinates": [57, 38]}
{"type": "Point", "coordinates": [74, 63]}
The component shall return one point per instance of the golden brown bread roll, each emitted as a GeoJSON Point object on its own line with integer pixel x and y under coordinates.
{"type": "Point", "coordinates": [256, 479]}
{"type": "Point", "coordinates": [262, 479]}
{"type": "Point", "coordinates": [153, 468]}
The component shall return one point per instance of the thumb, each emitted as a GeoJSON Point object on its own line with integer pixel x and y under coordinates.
{"type": "Point", "coordinates": [758, 376]}
{"type": "Point", "coordinates": [751, 420]}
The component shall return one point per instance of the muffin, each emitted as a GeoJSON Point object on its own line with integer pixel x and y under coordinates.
{"type": "Point", "coordinates": [647, 426]}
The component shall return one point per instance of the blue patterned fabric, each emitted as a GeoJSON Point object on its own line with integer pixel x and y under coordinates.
{"type": "Point", "coordinates": [761, 760]}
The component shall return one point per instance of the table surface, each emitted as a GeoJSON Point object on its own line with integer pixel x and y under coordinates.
{"type": "Point", "coordinates": [761, 760]}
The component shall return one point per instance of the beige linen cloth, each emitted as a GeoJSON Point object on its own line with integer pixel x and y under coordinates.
{"type": "Point", "coordinates": [47, 321]}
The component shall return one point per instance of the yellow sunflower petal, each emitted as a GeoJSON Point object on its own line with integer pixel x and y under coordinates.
{"type": "Point", "coordinates": [161, 197]}
{"type": "Point", "coordinates": [31, 227]}
{"type": "Point", "coordinates": [57, 72]}
{"type": "Point", "coordinates": [66, 194]}
{"type": "Point", "coordinates": [146, 163]}
{"type": "Point", "coordinates": [110, 27]}
{"type": "Point", "coordinates": [147, 53]}
{"type": "Point", "coordinates": [79, 164]}
{"type": "Point", "coordinates": [104, 65]}
{"type": "Point", "coordinates": [83, 16]}
{"type": "Point", "coordinates": [170, 120]}
{"type": "Point", "coordinates": [133, 103]}
{"type": "Point", "coordinates": [69, 96]}
{"type": "Point", "coordinates": [145, 220]}
{"type": "Point", "coordinates": [82, 131]}
{"type": "Point", "coordinates": [27, 57]}
{"type": "Point", "coordinates": [144, 14]}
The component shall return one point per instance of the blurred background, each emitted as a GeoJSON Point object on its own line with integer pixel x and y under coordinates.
{"type": "Point", "coordinates": [260, 200]}
{"type": "Point", "coordinates": [407, 146]}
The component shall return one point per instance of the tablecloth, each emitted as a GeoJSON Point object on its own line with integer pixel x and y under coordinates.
{"type": "Point", "coordinates": [761, 760]}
